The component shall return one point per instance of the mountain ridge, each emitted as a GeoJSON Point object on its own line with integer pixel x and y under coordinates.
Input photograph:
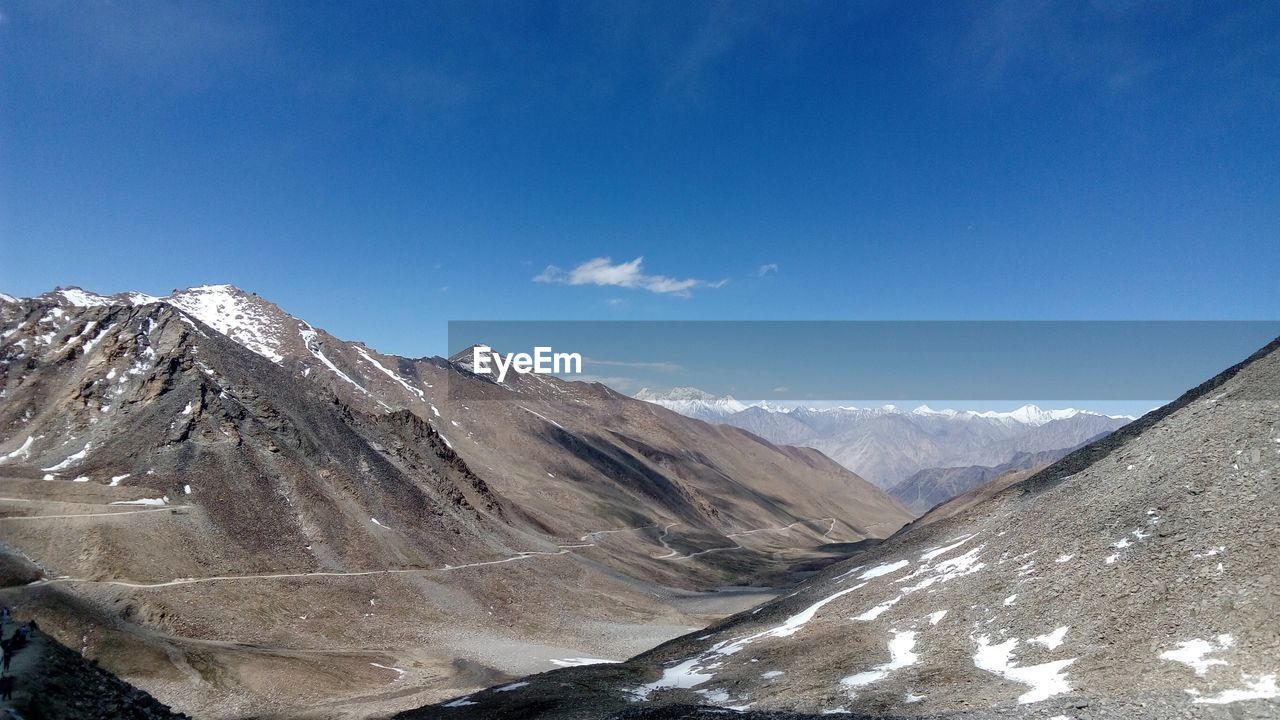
{"type": "Point", "coordinates": [888, 444]}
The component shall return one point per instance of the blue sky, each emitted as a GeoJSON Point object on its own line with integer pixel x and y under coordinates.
{"type": "Point", "coordinates": [383, 168]}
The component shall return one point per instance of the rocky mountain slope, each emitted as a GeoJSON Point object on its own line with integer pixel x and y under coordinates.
{"type": "Point", "coordinates": [1134, 578]}
{"type": "Point", "coordinates": [932, 486]}
{"type": "Point", "coordinates": [53, 682]}
{"type": "Point", "coordinates": [242, 514]}
{"type": "Point", "coordinates": [887, 445]}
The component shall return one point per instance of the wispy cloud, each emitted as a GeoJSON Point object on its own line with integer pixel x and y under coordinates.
{"type": "Point", "coordinates": [604, 272]}
{"type": "Point", "coordinates": [660, 366]}
{"type": "Point", "coordinates": [621, 384]}
{"type": "Point", "coordinates": [766, 269]}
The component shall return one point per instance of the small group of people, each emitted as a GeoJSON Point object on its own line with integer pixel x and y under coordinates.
{"type": "Point", "coordinates": [9, 646]}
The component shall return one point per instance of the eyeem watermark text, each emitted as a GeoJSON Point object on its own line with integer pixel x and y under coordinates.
{"type": "Point", "coordinates": [543, 361]}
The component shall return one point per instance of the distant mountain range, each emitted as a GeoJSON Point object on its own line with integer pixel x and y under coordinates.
{"type": "Point", "coordinates": [932, 486]}
{"type": "Point", "coordinates": [888, 444]}
{"type": "Point", "coordinates": [245, 515]}
{"type": "Point", "coordinates": [1134, 579]}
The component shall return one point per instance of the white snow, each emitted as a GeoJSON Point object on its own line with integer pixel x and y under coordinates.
{"type": "Point", "coordinates": [901, 654]}
{"type": "Point", "coordinates": [688, 673]}
{"type": "Point", "coordinates": [512, 686]}
{"type": "Point", "coordinates": [576, 662]}
{"type": "Point", "coordinates": [878, 610]}
{"type": "Point", "coordinates": [1064, 558]}
{"type": "Point", "coordinates": [884, 569]}
{"type": "Point", "coordinates": [435, 411]}
{"type": "Point", "coordinates": [95, 339]}
{"type": "Point", "coordinates": [1256, 687]}
{"type": "Point", "coordinates": [1051, 640]}
{"type": "Point", "coordinates": [238, 317]}
{"type": "Point", "coordinates": [683, 675]}
{"type": "Point", "coordinates": [692, 402]}
{"type": "Point", "coordinates": [136, 298]}
{"type": "Point", "coordinates": [1045, 679]}
{"type": "Point", "coordinates": [770, 675]}
{"type": "Point", "coordinates": [186, 489]}
{"type": "Point", "coordinates": [1111, 559]}
{"type": "Point", "coordinates": [187, 410]}
{"type": "Point", "coordinates": [948, 570]}
{"type": "Point", "coordinates": [936, 618]}
{"type": "Point", "coordinates": [390, 374]}
{"type": "Point", "coordinates": [81, 479]}
{"type": "Point", "coordinates": [71, 460]}
{"type": "Point", "coordinates": [24, 451]}
{"type": "Point", "coordinates": [375, 522]}
{"type": "Point", "coordinates": [461, 702]}
{"type": "Point", "coordinates": [1010, 600]}
{"type": "Point", "coordinates": [935, 552]}
{"type": "Point", "coordinates": [1210, 552]}
{"type": "Point", "coordinates": [82, 298]}
{"type": "Point", "coordinates": [143, 501]}
{"type": "Point", "coordinates": [311, 339]}
{"type": "Point", "coordinates": [398, 671]}
{"type": "Point", "coordinates": [544, 417]}
{"type": "Point", "coordinates": [115, 480]}
{"type": "Point", "coordinates": [1192, 653]}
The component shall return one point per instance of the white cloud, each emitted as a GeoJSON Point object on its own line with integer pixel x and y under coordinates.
{"type": "Point", "coordinates": [766, 269]}
{"type": "Point", "coordinates": [602, 271]}
{"type": "Point", "coordinates": [660, 366]}
{"type": "Point", "coordinates": [621, 384]}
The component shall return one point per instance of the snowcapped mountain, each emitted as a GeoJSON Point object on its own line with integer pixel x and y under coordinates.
{"type": "Point", "coordinates": [888, 444]}
{"type": "Point", "coordinates": [692, 402]}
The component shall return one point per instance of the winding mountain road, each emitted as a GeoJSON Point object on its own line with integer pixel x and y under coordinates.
{"type": "Point", "coordinates": [522, 555]}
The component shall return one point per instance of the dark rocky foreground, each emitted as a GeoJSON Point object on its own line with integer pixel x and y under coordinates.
{"type": "Point", "coordinates": [53, 682]}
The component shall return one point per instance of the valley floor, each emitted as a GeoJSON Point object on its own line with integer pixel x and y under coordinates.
{"type": "Point", "coordinates": [217, 646]}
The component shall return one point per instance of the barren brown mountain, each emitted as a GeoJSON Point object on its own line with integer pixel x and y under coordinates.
{"type": "Point", "coordinates": [246, 516]}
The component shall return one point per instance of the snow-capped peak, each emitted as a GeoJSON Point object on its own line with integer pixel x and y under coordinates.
{"type": "Point", "coordinates": [692, 402]}
{"type": "Point", "coordinates": [1033, 415]}
{"type": "Point", "coordinates": [1026, 415]}
{"type": "Point", "coordinates": [236, 314]}
{"type": "Point", "coordinates": [82, 298]}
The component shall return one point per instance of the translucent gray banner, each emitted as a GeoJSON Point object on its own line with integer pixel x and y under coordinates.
{"type": "Point", "coordinates": [898, 360]}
